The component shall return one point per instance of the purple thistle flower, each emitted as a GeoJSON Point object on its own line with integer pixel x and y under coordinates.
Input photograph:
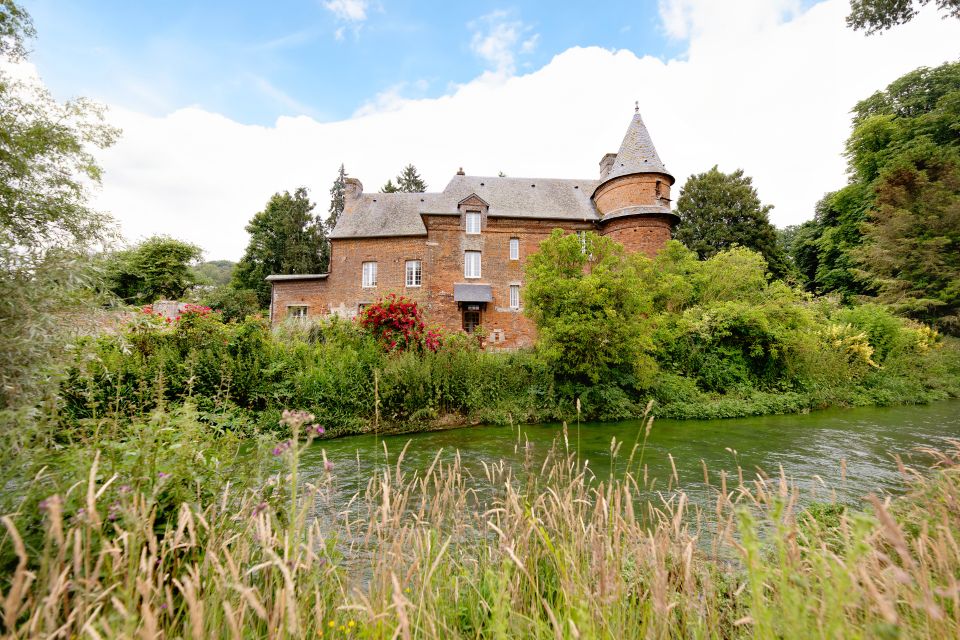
{"type": "Point", "coordinates": [163, 475]}
{"type": "Point", "coordinates": [328, 465]}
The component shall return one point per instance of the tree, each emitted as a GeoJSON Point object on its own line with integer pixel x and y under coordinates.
{"type": "Point", "coordinates": [719, 210]}
{"type": "Point", "coordinates": [911, 249]}
{"type": "Point", "coordinates": [875, 16]}
{"type": "Point", "coordinates": [46, 226]}
{"type": "Point", "coordinates": [338, 199]}
{"type": "Point", "coordinates": [157, 268]}
{"type": "Point", "coordinates": [589, 305]}
{"type": "Point", "coordinates": [867, 238]}
{"type": "Point", "coordinates": [409, 181]}
{"type": "Point", "coordinates": [284, 238]}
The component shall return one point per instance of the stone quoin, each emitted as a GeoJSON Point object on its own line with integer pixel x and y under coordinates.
{"type": "Point", "coordinates": [460, 253]}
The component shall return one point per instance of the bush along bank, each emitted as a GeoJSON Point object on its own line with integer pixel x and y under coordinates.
{"type": "Point", "coordinates": [721, 340]}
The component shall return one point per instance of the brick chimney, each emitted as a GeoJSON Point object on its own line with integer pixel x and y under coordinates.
{"type": "Point", "coordinates": [606, 164]}
{"type": "Point", "coordinates": [352, 191]}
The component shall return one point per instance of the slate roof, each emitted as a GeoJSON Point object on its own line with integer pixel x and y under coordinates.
{"type": "Point", "coordinates": [295, 276]}
{"type": "Point", "coordinates": [398, 214]}
{"type": "Point", "coordinates": [472, 293]}
{"type": "Point", "coordinates": [637, 153]}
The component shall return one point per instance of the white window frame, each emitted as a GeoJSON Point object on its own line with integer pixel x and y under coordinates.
{"type": "Point", "coordinates": [514, 248]}
{"type": "Point", "coordinates": [413, 273]}
{"type": "Point", "coordinates": [469, 262]}
{"type": "Point", "coordinates": [297, 311]}
{"type": "Point", "coordinates": [582, 235]}
{"type": "Point", "coordinates": [369, 275]}
{"type": "Point", "coordinates": [514, 296]}
{"type": "Point", "coordinates": [472, 222]}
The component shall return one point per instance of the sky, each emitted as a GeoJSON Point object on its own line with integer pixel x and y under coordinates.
{"type": "Point", "coordinates": [224, 103]}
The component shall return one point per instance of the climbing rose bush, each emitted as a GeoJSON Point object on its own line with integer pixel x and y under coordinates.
{"type": "Point", "coordinates": [397, 324]}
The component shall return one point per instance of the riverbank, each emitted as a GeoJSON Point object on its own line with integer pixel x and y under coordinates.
{"type": "Point", "coordinates": [241, 376]}
{"type": "Point", "coordinates": [537, 549]}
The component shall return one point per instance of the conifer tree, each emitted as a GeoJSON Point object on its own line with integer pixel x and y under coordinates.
{"type": "Point", "coordinates": [337, 199]}
{"type": "Point", "coordinates": [409, 181]}
{"type": "Point", "coordinates": [285, 238]}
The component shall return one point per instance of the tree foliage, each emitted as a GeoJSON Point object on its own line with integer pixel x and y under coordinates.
{"type": "Point", "coordinates": [409, 181]}
{"type": "Point", "coordinates": [720, 210]}
{"type": "Point", "coordinates": [46, 226]}
{"type": "Point", "coordinates": [888, 232]}
{"type": "Point", "coordinates": [874, 16]}
{"type": "Point", "coordinates": [588, 304]}
{"type": "Point", "coordinates": [156, 269]}
{"type": "Point", "coordinates": [286, 237]}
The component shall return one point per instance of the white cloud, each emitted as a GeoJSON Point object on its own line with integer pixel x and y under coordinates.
{"type": "Point", "coordinates": [774, 100]}
{"type": "Point", "coordinates": [348, 10]}
{"type": "Point", "coordinates": [496, 37]}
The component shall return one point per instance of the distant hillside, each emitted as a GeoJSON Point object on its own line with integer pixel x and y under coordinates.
{"type": "Point", "coordinates": [215, 272]}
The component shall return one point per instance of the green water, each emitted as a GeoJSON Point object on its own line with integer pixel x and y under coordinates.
{"type": "Point", "coordinates": [837, 454]}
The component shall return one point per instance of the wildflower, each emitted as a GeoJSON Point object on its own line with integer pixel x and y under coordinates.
{"type": "Point", "coordinates": [316, 430]}
{"type": "Point", "coordinates": [43, 505]}
{"type": "Point", "coordinates": [351, 624]}
{"type": "Point", "coordinates": [281, 448]}
{"type": "Point", "coordinates": [124, 489]}
{"type": "Point", "coordinates": [331, 624]}
{"type": "Point", "coordinates": [328, 465]}
{"type": "Point", "coordinates": [162, 475]}
{"type": "Point", "coordinates": [260, 508]}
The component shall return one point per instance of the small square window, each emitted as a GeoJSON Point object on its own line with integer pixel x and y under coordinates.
{"type": "Point", "coordinates": [369, 274]}
{"type": "Point", "coordinates": [297, 311]}
{"type": "Point", "coordinates": [514, 248]}
{"type": "Point", "coordinates": [514, 296]}
{"type": "Point", "coordinates": [471, 264]}
{"type": "Point", "coordinates": [473, 222]}
{"type": "Point", "coordinates": [414, 273]}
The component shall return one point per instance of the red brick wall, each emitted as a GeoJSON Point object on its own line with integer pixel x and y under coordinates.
{"type": "Point", "coordinates": [646, 234]}
{"type": "Point", "coordinates": [632, 190]}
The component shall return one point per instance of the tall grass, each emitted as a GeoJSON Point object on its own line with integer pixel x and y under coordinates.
{"type": "Point", "coordinates": [541, 550]}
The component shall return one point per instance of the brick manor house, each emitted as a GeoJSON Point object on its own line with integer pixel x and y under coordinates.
{"type": "Point", "coordinates": [460, 253]}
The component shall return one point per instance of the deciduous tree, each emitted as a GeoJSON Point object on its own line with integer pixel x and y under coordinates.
{"type": "Point", "coordinates": [46, 226]}
{"type": "Point", "coordinates": [720, 210]}
{"type": "Point", "coordinates": [875, 16]}
{"type": "Point", "coordinates": [157, 268]}
{"type": "Point", "coordinates": [589, 305]}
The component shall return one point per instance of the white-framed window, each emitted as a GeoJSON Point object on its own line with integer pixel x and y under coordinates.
{"type": "Point", "coordinates": [514, 248]}
{"type": "Point", "coordinates": [514, 296]}
{"type": "Point", "coordinates": [473, 222]}
{"type": "Point", "coordinates": [414, 273]}
{"type": "Point", "coordinates": [297, 311]}
{"type": "Point", "coordinates": [369, 274]}
{"type": "Point", "coordinates": [471, 264]}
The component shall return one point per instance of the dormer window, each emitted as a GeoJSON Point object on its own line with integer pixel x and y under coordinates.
{"type": "Point", "coordinates": [473, 222]}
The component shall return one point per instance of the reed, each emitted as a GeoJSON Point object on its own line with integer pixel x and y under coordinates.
{"type": "Point", "coordinates": [543, 550]}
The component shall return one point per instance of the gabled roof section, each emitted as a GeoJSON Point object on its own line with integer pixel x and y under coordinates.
{"type": "Point", "coordinates": [376, 215]}
{"type": "Point", "coordinates": [473, 200]}
{"type": "Point", "coordinates": [637, 153]}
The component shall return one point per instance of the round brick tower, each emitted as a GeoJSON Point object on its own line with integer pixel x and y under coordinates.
{"type": "Point", "coordinates": [633, 197]}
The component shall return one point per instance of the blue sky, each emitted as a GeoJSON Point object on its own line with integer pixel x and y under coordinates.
{"type": "Point", "coordinates": [255, 61]}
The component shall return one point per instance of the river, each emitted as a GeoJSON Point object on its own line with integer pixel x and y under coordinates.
{"type": "Point", "coordinates": [835, 454]}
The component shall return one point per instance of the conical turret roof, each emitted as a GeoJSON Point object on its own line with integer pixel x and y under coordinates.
{"type": "Point", "coordinates": [637, 153]}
